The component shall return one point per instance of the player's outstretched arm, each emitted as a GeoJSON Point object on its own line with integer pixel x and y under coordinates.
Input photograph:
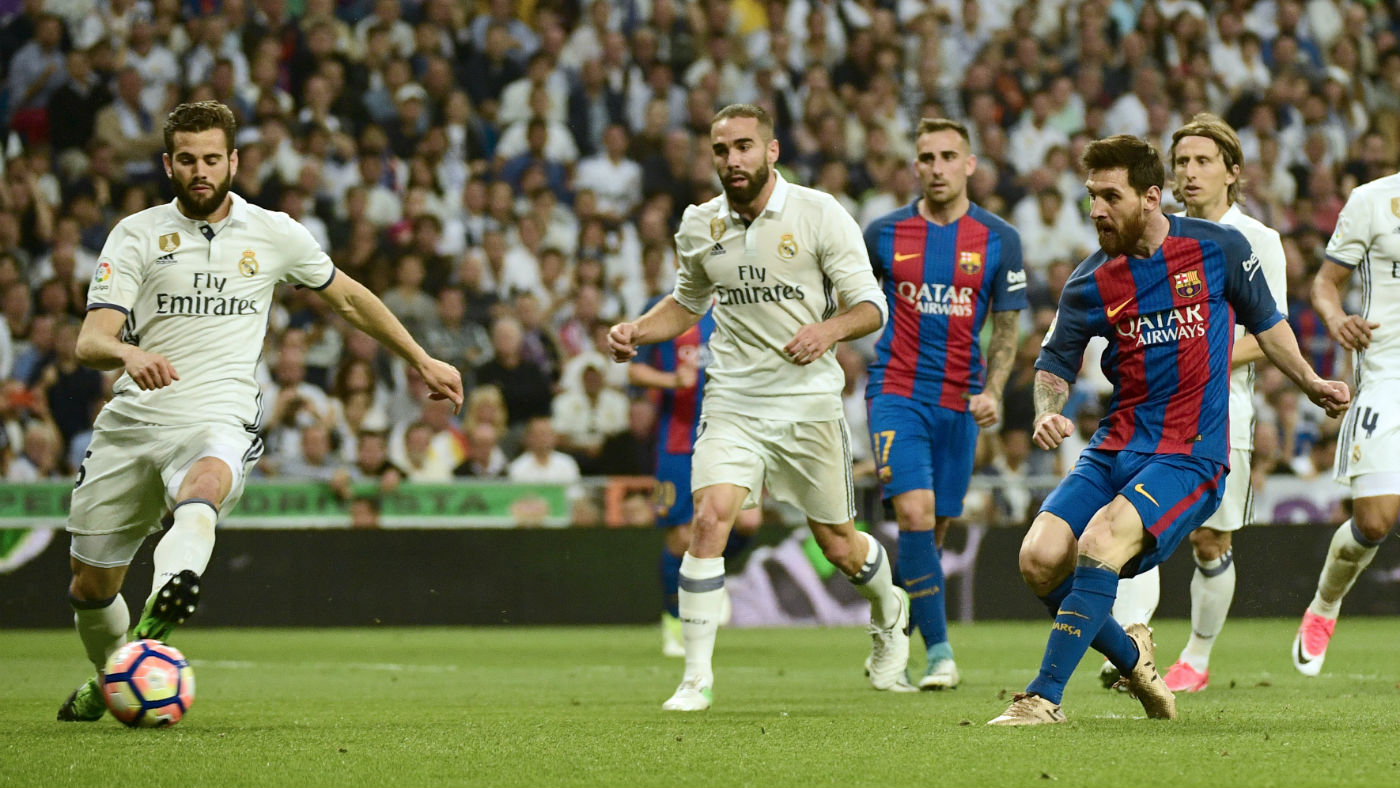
{"type": "Point", "coordinates": [1281, 346]}
{"type": "Point", "coordinates": [1353, 332]}
{"type": "Point", "coordinates": [100, 347]}
{"type": "Point", "coordinates": [363, 310]}
{"type": "Point", "coordinates": [1051, 392]}
{"type": "Point", "coordinates": [647, 376]}
{"type": "Point", "coordinates": [666, 320]}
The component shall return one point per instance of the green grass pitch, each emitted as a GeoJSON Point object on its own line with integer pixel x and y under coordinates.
{"type": "Point", "coordinates": [582, 706]}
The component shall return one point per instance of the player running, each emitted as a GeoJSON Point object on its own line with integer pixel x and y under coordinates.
{"type": "Point", "coordinates": [945, 264]}
{"type": "Point", "coordinates": [1166, 293]}
{"type": "Point", "coordinates": [1365, 241]}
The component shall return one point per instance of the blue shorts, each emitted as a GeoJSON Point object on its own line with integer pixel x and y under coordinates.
{"type": "Point", "coordinates": [1172, 493]}
{"type": "Point", "coordinates": [672, 499]}
{"type": "Point", "coordinates": [921, 447]}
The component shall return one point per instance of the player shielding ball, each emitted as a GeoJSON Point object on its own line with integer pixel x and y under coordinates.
{"type": "Point", "coordinates": [1366, 242]}
{"type": "Point", "coordinates": [1206, 157]}
{"type": "Point", "coordinates": [778, 261]}
{"type": "Point", "coordinates": [180, 302]}
{"type": "Point", "coordinates": [946, 264]}
{"type": "Point", "coordinates": [1166, 293]}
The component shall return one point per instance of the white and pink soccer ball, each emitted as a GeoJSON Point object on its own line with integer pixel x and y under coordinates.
{"type": "Point", "coordinates": [148, 684]}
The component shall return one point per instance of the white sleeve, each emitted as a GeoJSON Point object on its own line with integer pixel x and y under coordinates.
{"type": "Point", "coordinates": [693, 286]}
{"type": "Point", "coordinates": [1352, 237]}
{"type": "Point", "coordinates": [846, 262]}
{"type": "Point", "coordinates": [307, 263]}
{"type": "Point", "coordinates": [116, 282]}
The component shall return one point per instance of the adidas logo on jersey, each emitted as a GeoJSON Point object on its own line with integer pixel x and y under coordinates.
{"type": "Point", "coordinates": [716, 249]}
{"type": "Point", "coordinates": [165, 258]}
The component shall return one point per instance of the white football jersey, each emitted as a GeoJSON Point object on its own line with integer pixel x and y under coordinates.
{"type": "Point", "coordinates": [1367, 238]}
{"type": "Point", "coordinates": [783, 271]}
{"type": "Point", "coordinates": [200, 297]}
{"type": "Point", "coordinates": [1268, 251]}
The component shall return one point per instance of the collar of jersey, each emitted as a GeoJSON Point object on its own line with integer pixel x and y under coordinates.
{"type": "Point", "coordinates": [775, 203]}
{"type": "Point", "coordinates": [237, 212]}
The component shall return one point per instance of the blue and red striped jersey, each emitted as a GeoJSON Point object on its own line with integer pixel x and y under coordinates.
{"type": "Point", "coordinates": [1170, 324]}
{"type": "Point", "coordinates": [940, 282]}
{"type": "Point", "coordinates": [679, 412]}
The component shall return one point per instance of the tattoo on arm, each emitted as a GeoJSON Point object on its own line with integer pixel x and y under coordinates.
{"type": "Point", "coordinates": [1001, 351]}
{"type": "Point", "coordinates": [1051, 392]}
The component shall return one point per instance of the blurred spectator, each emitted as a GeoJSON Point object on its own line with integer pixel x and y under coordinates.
{"type": "Point", "coordinates": [484, 459]}
{"type": "Point", "coordinates": [71, 392]}
{"type": "Point", "coordinates": [407, 300]}
{"type": "Point", "coordinates": [631, 452]}
{"type": "Point", "coordinates": [77, 101]}
{"type": "Point", "coordinates": [540, 463]}
{"type": "Point", "coordinates": [130, 127]}
{"type": "Point", "coordinates": [454, 338]}
{"type": "Point", "coordinates": [585, 418]}
{"type": "Point", "coordinates": [524, 385]}
{"type": "Point", "coordinates": [36, 72]}
{"type": "Point", "coordinates": [41, 457]}
{"type": "Point", "coordinates": [425, 456]}
{"type": "Point", "coordinates": [315, 461]}
{"type": "Point", "coordinates": [614, 178]}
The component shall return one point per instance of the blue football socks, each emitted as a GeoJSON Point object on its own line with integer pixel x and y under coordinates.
{"type": "Point", "coordinates": [921, 570]}
{"type": "Point", "coordinates": [671, 581]}
{"type": "Point", "coordinates": [1079, 618]}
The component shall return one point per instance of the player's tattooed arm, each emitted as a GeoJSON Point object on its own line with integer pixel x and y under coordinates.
{"type": "Point", "coordinates": [1001, 351]}
{"type": "Point", "coordinates": [1051, 392]}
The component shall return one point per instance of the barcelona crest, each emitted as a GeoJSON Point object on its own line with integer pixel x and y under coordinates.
{"type": "Point", "coordinates": [969, 262]}
{"type": "Point", "coordinates": [1187, 283]}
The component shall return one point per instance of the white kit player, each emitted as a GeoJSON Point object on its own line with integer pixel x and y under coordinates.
{"type": "Point", "coordinates": [1366, 241]}
{"type": "Point", "coordinates": [180, 302]}
{"type": "Point", "coordinates": [1206, 160]}
{"type": "Point", "coordinates": [777, 260]}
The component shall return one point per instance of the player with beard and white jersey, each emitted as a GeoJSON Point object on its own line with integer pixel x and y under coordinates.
{"type": "Point", "coordinates": [180, 303]}
{"type": "Point", "coordinates": [1366, 241]}
{"type": "Point", "coordinates": [1206, 158]}
{"type": "Point", "coordinates": [779, 262]}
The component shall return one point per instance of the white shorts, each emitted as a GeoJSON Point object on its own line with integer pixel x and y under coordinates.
{"type": "Point", "coordinates": [130, 477]}
{"type": "Point", "coordinates": [1236, 503]}
{"type": "Point", "coordinates": [1369, 442]}
{"type": "Point", "coordinates": [804, 463]}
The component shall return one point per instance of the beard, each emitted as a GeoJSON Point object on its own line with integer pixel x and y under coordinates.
{"type": "Point", "coordinates": [197, 207]}
{"type": "Point", "coordinates": [744, 195]}
{"type": "Point", "coordinates": [1125, 238]}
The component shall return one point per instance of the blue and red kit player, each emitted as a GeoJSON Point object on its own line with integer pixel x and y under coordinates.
{"type": "Point", "coordinates": [945, 264]}
{"type": "Point", "coordinates": [677, 369]}
{"type": "Point", "coordinates": [1166, 293]}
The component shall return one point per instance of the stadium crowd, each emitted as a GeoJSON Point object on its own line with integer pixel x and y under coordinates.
{"type": "Point", "coordinates": [508, 176]}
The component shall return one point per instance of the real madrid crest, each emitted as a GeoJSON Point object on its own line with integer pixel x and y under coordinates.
{"type": "Point", "coordinates": [717, 228]}
{"type": "Point", "coordinates": [787, 247]}
{"type": "Point", "coordinates": [170, 242]}
{"type": "Point", "coordinates": [248, 263]}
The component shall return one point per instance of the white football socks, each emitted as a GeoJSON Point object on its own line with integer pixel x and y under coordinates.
{"type": "Point", "coordinates": [875, 582]}
{"type": "Point", "coordinates": [102, 629]}
{"type": "Point", "coordinates": [188, 544]}
{"type": "Point", "coordinates": [701, 605]}
{"type": "Point", "coordinates": [1212, 591]}
{"type": "Point", "coordinates": [1137, 598]}
{"type": "Point", "coordinates": [1346, 558]}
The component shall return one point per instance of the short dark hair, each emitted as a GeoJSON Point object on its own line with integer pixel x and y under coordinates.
{"type": "Point", "coordinates": [199, 116]}
{"type": "Point", "coordinates": [765, 121]}
{"type": "Point", "coordinates": [1126, 152]}
{"type": "Point", "coordinates": [930, 125]}
{"type": "Point", "coordinates": [1212, 127]}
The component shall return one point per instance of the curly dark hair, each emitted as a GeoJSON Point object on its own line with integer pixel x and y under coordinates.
{"type": "Point", "coordinates": [199, 116]}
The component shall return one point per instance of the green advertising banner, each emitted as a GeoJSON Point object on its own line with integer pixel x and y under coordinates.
{"type": "Point", "coordinates": [467, 504]}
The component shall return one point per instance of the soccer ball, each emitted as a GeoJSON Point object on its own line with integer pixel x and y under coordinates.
{"type": "Point", "coordinates": [148, 684]}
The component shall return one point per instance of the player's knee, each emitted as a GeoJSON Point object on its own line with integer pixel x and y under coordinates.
{"type": "Point", "coordinates": [1209, 544]}
{"type": "Point", "coordinates": [914, 511]}
{"type": "Point", "coordinates": [1372, 522]}
{"type": "Point", "coordinates": [1041, 567]}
